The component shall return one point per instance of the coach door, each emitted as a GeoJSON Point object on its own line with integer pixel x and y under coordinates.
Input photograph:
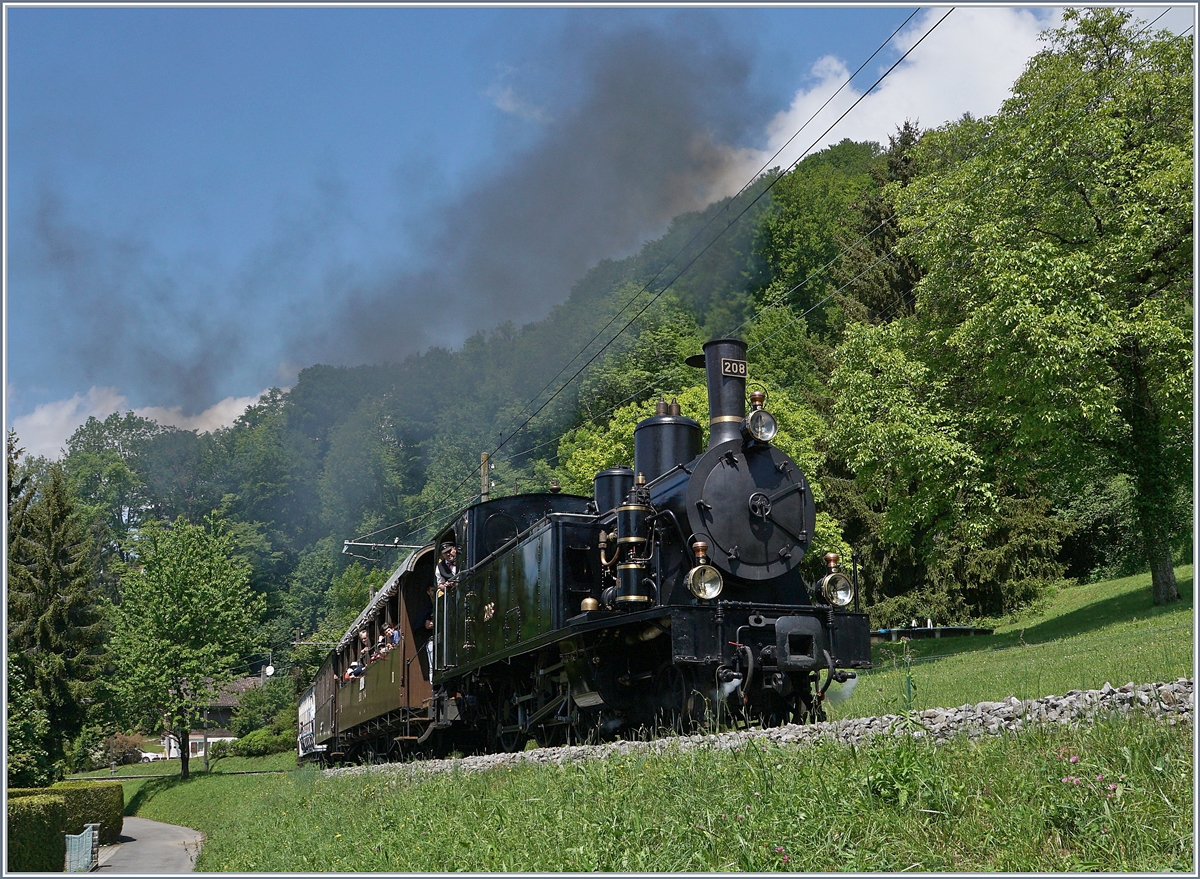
{"type": "Point", "coordinates": [415, 689]}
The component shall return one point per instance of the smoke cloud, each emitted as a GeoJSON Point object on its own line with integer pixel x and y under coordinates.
{"type": "Point", "coordinates": [647, 141]}
{"type": "Point", "coordinates": [633, 127]}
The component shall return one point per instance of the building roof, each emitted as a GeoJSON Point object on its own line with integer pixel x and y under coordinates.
{"type": "Point", "coordinates": [232, 692]}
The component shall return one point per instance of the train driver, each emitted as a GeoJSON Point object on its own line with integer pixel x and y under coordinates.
{"type": "Point", "coordinates": [447, 568]}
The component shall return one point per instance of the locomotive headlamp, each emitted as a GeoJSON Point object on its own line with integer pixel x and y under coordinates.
{"type": "Point", "coordinates": [704, 581]}
{"type": "Point", "coordinates": [760, 425]}
{"type": "Point", "coordinates": [837, 589]}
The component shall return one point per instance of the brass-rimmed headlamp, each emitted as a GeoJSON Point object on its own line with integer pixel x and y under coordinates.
{"type": "Point", "coordinates": [835, 587]}
{"type": "Point", "coordinates": [704, 581]}
{"type": "Point", "coordinates": [760, 424]}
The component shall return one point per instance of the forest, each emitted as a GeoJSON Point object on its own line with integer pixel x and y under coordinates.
{"type": "Point", "coordinates": [977, 340]}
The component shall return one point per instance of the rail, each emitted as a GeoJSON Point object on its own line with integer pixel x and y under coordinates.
{"type": "Point", "coordinates": [176, 774]}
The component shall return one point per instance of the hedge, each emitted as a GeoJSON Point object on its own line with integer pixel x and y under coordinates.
{"type": "Point", "coordinates": [99, 802]}
{"type": "Point", "coordinates": [262, 742]}
{"type": "Point", "coordinates": [36, 825]}
{"type": "Point", "coordinates": [94, 802]}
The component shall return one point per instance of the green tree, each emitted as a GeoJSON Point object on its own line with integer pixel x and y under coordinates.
{"type": "Point", "coordinates": [258, 706]}
{"type": "Point", "coordinates": [27, 728]}
{"type": "Point", "coordinates": [187, 618]}
{"type": "Point", "coordinates": [55, 622]}
{"type": "Point", "coordinates": [349, 592]}
{"type": "Point", "coordinates": [801, 237]}
{"type": "Point", "coordinates": [102, 463]}
{"type": "Point", "coordinates": [1057, 299]}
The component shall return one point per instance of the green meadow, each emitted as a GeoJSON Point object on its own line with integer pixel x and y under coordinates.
{"type": "Point", "coordinates": [1115, 795]}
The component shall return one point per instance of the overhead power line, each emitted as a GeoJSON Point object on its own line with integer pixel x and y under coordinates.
{"type": "Point", "coordinates": [704, 249]}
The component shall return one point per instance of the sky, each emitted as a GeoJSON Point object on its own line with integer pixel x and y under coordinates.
{"type": "Point", "coordinates": [201, 202]}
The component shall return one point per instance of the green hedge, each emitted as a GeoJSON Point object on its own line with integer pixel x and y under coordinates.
{"type": "Point", "coordinates": [94, 802]}
{"type": "Point", "coordinates": [36, 824]}
{"type": "Point", "coordinates": [88, 802]}
{"type": "Point", "coordinates": [262, 742]}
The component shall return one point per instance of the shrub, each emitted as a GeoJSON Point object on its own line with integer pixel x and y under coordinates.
{"type": "Point", "coordinates": [94, 802]}
{"type": "Point", "coordinates": [36, 825]}
{"type": "Point", "coordinates": [219, 748]}
{"type": "Point", "coordinates": [258, 705]}
{"type": "Point", "coordinates": [122, 748]}
{"type": "Point", "coordinates": [262, 742]}
{"type": "Point", "coordinates": [86, 752]}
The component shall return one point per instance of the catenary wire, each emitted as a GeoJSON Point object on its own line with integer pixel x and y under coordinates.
{"type": "Point", "coordinates": [701, 252]}
{"type": "Point", "coordinates": [781, 300]}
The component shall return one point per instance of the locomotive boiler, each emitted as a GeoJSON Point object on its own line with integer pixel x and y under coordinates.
{"type": "Point", "coordinates": [670, 598]}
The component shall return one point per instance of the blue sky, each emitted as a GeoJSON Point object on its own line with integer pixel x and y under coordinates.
{"type": "Point", "coordinates": [200, 202]}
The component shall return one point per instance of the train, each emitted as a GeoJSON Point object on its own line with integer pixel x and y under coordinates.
{"type": "Point", "coordinates": [670, 599]}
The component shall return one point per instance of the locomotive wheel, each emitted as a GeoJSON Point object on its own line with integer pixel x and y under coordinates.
{"type": "Point", "coordinates": [680, 707]}
{"type": "Point", "coordinates": [775, 711]}
{"type": "Point", "coordinates": [809, 708]}
{"type": "Point", "coordinates": [507, 735]}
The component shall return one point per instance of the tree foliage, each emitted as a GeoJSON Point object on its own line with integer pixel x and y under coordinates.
{"type": "Point", "coordinates": [186, 620]}
{"type": "Point", "coordinates": [55, 623]}
{"type": "Point", "coordinates": [1057, 296]}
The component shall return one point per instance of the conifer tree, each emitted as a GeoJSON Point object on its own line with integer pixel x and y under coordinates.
{"type": "Point", "coordinates": [55, 622]}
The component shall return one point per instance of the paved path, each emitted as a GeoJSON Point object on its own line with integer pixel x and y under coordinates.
{"type": "Point", "coordinates": [151, 847]}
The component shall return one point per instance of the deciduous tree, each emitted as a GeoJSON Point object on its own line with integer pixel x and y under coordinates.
{"type": "Point", "coordinates": [186, 620]}
{"type": "Point", "coordinates": [1058, 292]}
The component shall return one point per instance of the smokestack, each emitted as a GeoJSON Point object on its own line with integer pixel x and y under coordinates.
{"type": "Point", "coordinates": [724, 362]}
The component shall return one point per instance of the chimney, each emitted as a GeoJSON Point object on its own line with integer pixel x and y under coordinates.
{"type": "Point", "coordinates": [724, 362]}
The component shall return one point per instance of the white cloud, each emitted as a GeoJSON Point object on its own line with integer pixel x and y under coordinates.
{"type": "Point", "coordinates": [506, 99]}
{"type": "Point", "coordinates": [46, 429]}
{"type": "Point", "coordinates": [220, 414]}
{"type": "Point", "coordinates": [967, 65]}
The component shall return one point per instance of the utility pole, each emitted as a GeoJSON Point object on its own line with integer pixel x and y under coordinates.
{"type": "Point", "coordinates": [484, 477]}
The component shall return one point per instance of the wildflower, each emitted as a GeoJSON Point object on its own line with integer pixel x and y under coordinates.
{"type": "Point", "coordinates": [779, 849]}
{"type": "Point", "coordinates": [1112, 785]}
{"type": "Point", "coordinates": [785, 859]}
{"type": "Point", "coordinates": [1100, 777]}
{"type": "Point", "coordinates": [1074, 758]}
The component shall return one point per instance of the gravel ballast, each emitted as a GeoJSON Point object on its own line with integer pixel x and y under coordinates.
{"type": "Point", "coordinates": [1171, 702]}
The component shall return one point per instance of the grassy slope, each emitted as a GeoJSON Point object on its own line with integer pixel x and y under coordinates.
{"type": "Point", "coordinates": [991, 804]}
{"type": "Point", "coordinates": [1081, 638]}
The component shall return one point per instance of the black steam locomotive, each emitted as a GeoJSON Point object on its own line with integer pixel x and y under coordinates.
{"type": "Point", "coordinates": [671, 598]}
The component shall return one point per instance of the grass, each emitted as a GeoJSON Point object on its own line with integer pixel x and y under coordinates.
{"type": "Point", "coordinates": [996, 803]}
{"type": "Point", "coordinates": [1082, 637]}
{"type": "Point", "coordinates": [169, 769]}
{"type": "Point", "coordinates": [1009, 803]}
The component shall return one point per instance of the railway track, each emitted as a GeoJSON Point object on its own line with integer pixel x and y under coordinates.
{"type": "Point", "coordinates": [1171, 701]}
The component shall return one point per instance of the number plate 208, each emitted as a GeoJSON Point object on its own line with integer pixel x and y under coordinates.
{"type": "Point", "coordinates": [735, 368]}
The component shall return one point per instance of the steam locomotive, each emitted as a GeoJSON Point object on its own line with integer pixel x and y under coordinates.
{"type": "Point", "coordinates": [671, 598]}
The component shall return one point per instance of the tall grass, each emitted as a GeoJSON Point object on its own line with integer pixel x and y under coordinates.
{"type": "Point", "coordinates": [1013, 803]}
